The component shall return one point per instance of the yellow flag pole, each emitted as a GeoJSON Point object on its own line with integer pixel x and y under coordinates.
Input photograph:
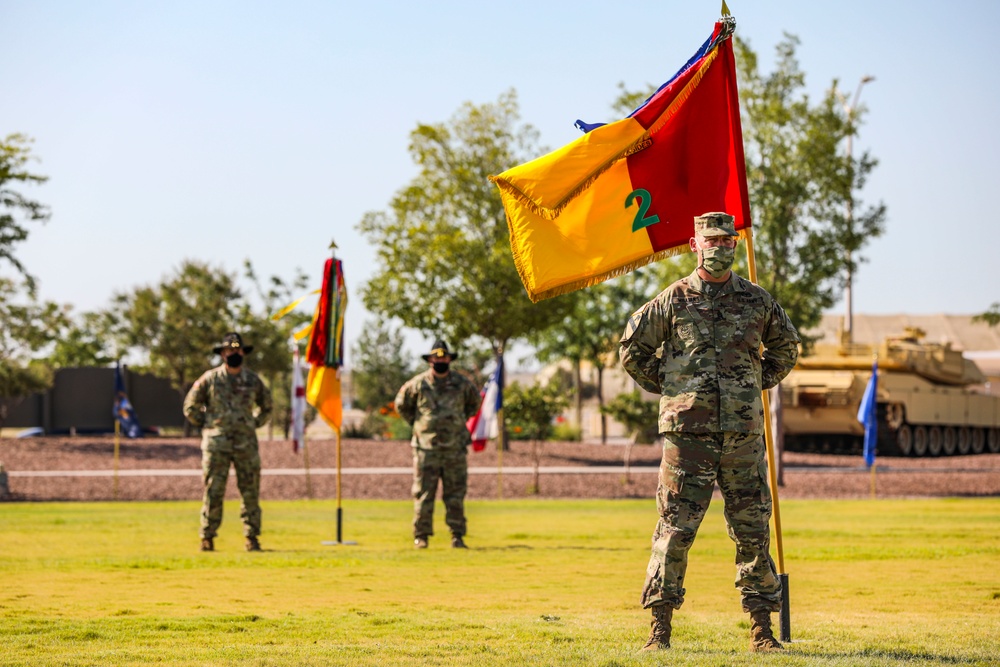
{"type": "Point", "coordinates": [500, 444]}
{"type": "Point", "coordinates": [114, 485]}
{"type": "Point", "coordinates": [337, 435]}
{"type": "Point", "coordinates": [340, 510]}
{"type": "Point", "coordinates": [874, 363]}
{"type": "Point", "coordinates": [305, 460]}
{"type": "Point", "coordinates": [501, 432]}
{"type": "Point", "coordinates": [772, 476]}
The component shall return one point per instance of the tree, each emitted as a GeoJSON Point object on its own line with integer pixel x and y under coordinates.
{"type": "Point", "coordinates": [991, 316]}
{"type": "Point", "coordinates": [174, 326]}
{"type": "Point", "coordinates": [92, 339]}
{"type": "Point", "coordinates": [529, 413]}
{"type": "Point", "coordinates": [381, 365]}
{"type": "Point", "coordinates": [591, 330]}
{"type": "Point", "coordinates": [443, 247]}
{"type": "Point", "coordinates": [15, 152]}
{"type": "Point", "coordinates": [273, 339]}
{"type": "Point", "coordinates": [26, 328]}
{"type": "Point", "coordinates": [639, 416]}
{"type": "Point", "coordinates": [179, 321]}
{"type": "Point", "coordinates": [641, 419]}
{"type": "Point", "coordinates": [810, 224]}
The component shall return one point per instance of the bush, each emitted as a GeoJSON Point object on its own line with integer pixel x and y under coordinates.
{"type": "Point", "coordinates": [529, 412]}
{"type": "Point", "coordinates": [639, 417]}
{"type": "Point", "coordinates": [565, 432]}
{"type": "Point", "coordinates": [357, 430]}
{"type": "Point", "coordinates": [385, 424]}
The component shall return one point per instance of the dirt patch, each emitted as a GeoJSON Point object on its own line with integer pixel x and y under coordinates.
{"type": "Point", "coordinates": [178, 460]}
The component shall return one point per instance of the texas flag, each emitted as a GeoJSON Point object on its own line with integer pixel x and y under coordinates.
{"type": "Point", "coordinates": [483, 425]}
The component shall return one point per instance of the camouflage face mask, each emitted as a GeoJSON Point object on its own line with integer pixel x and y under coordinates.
{"type": "Point", "coordinates": [717, 260]}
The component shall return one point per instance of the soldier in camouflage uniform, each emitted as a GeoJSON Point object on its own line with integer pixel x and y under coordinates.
{"type": "Point", "coordinates": [437, 403]}
{"type": "Point", "coordinates": [698, 345]}
{"type": "Point", "coordinates": [221, 403]}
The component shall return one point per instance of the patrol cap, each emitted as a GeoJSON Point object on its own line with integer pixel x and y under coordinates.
{"type": "Point", "coordinates": [440, 349]}
{"type": "Point", "coordinates": [234, 341]}
{"type": "Point", "coordinates": [715, 224]}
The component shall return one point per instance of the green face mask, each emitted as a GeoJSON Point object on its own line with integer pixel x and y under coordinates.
{"type": "Point", "coordinates": [717, 260]}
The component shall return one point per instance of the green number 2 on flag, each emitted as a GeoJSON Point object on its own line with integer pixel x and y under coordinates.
{"type": "Point", "coordinates": [645, 199]}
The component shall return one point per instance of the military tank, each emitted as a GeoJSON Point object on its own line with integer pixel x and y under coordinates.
{"type": "Point", "coordinates": [931, 400]}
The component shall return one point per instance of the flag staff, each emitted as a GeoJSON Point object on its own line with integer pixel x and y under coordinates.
{"type": "Point", "coordinates": [868, 416]}
{"type": "Point", "coordinates": [114, 486]}
{"type": "Point", "coordinates": [872, 468]}
{"type": "Point", "coordinates": [305, 459]}
{"type": "Point", "coordinates": [501, 430]}
{"type": "Point", "coordinates": [336, 433]}
{"type": "Point", "coordinates": [298, 417]}
{"type": "Point", "coordinates": [772, 479]}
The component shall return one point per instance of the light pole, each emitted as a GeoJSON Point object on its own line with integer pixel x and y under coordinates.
{"type": "Point", "coordinates": [850, 110]}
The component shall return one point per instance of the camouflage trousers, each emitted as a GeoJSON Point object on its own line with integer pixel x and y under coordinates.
{"type": "Point", "coordinates": [692, 464]}
{"type": "Point", "coordinates": [215, 473]}
{"type": "Point", "coordinates": [452, 469]}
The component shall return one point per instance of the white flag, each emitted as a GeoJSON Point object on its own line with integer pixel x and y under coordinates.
{"type": "Point", "coordinates": [298, 403]}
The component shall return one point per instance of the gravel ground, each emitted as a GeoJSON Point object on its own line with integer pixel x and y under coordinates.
{"type": "Point", "coordinates": [805, 475]}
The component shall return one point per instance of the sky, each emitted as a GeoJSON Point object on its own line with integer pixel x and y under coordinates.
{"type": "Point", "coordinates": [227, 131]}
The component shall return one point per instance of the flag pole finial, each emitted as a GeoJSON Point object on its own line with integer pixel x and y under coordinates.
{"type": "Point", "coordinates": [725, 9]}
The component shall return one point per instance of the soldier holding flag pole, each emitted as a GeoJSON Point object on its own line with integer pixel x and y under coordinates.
{"type": "Point", "coordinates": [624, 196]}
{"type": "Point", "coordinates": [697, 344]}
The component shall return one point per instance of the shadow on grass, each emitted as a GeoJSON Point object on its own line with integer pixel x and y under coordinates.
{"type": "Point", "coordinates": [874, 656]}
{"type": "Point", "coordinates": [529, 547]}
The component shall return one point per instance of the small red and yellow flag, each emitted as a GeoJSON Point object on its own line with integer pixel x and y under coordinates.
{"type": "Point", "coordinates": [325, 351]}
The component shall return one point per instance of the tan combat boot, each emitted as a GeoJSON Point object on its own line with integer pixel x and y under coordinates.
{"type": "Point", "coordinates": [659, 632]}
{"type": "Point", "coordinates": [761, 638]}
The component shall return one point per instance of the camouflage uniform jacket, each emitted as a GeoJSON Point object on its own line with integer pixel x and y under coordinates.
{"type": "Point", "coordinates": [222, 406]}
{"type": "Point", "coordinates": [437, 409]}
{"type": "Point", "coordinates": [702, 354]}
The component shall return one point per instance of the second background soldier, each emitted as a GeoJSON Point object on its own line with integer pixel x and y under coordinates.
{"type": "Point", "coordinates": [437, 403]}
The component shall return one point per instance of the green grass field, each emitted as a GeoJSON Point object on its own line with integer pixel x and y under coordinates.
{"type": "Point", "coordinates": [900, 582]}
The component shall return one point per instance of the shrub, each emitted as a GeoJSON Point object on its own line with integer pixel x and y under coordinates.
{"type": "Point", "coordinates": [639, 417]}
{"type": "Point", "coordinates": [529, 412]}
{"type": "Point", "coordinates": [565, 432]}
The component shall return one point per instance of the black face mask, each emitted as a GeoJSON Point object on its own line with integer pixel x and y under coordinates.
{"type": "Point", "coordinates": [441, 367]}
{"type": "Point", "coordinates": [234, 360]}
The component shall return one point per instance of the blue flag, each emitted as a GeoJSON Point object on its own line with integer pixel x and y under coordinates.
{"type": "Point", "coordinates": [867, 415]}
{"type": "Point", "coordinates": [122, 410]}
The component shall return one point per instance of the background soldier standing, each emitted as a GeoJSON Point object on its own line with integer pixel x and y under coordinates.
{"type": "Point", "coordinates": [697, 344]}
{"type": "Point", "coordinates": [437, 403]}
{"type": "Point", "coordinates": [221, 403]}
